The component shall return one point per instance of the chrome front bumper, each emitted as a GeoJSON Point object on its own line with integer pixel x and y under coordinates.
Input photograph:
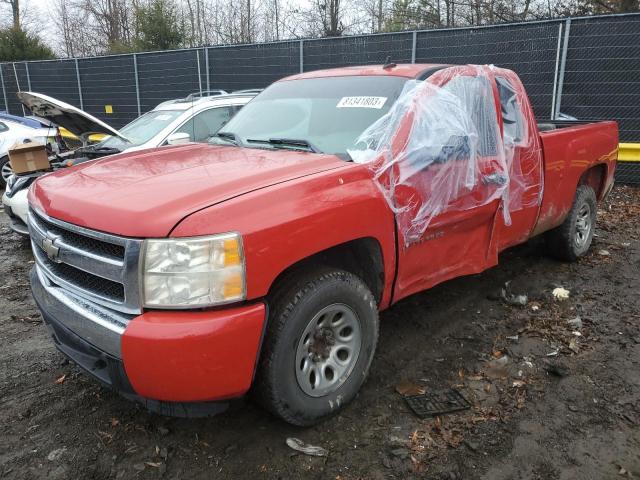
{"type": "Point", "coordinates": [97, 325]}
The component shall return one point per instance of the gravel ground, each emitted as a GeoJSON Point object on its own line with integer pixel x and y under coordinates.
{"type": "Point", "coordinates": [554, 385]}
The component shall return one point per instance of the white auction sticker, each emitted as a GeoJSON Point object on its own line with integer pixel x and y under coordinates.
{"type": "Point", "coordinates": [361, 102]}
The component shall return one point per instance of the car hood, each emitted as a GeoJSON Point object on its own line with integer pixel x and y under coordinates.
{"type": "Point", "coordinates": [145, 194]}
{"type": "Point", "coordinates": [73, 119]}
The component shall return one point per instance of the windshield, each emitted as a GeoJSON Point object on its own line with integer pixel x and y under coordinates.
{"type": "Point", "coordinates": [326, 113]}
{"type": "Point", "coordinates": [142, 129]}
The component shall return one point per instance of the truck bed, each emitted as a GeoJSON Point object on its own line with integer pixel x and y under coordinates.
{"type": "Point", "coordinates": [574, 152]}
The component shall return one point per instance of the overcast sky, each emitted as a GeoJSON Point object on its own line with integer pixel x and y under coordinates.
{"type": "Point", "coordinates": [38, 14]}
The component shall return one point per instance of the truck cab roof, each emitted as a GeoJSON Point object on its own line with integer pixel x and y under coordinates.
{"type": "Point", "coordinates": [407, 70]}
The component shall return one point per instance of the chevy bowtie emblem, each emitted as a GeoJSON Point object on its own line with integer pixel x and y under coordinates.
{"type": "Point", "coordinates": [50, 249]}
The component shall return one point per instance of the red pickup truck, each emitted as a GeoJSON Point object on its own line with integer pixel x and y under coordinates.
{"type": "Point", "coordinates": [186, 276]}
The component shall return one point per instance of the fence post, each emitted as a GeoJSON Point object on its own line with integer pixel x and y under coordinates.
{"type": "Point", "coordinates": [15, 74]}
{"type": "Point", "coordinates": [555, 73]}
{"type": "Point", "coordinates": [563, 64]}
{"type": "Point", "coordinates": [79, 85]}
{"type": "Point", "coordinates": [26, 67]}
{"type": "Point", "coordinates": [135, 72]}
{"type": "Point", "coordinates": [206, 65]}
{"type": "Point", "coordinates": [301, 56]}
{"type": "Point", "coordinates": [4, 90]}
{"type": "Point", "coordinates": [414, 42]}
{"type": "Point", "coordinates": [197, 50]}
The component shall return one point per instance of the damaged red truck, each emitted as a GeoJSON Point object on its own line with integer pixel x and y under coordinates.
{"type": "Point", "coordinates": [186, 276]}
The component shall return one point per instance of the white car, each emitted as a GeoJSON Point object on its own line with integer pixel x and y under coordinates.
{"type": "Point", "coordinates": [14, 132]}
{"type": "Point", "coordinates": [193, 119]}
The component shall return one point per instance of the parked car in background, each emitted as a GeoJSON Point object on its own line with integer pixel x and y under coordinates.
{"type": "Point", "coordinates": [69, 139]}
{"type": "Point", "coordinates": [12, 132]}
{"type": "Point", "coordinates": [262, 262]}
{"type": "Point", "coordinates": [190, 119]}
{"type": "Point", "coordinates": [27, 121]}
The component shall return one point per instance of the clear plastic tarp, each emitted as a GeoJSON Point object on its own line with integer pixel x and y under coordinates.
{"type": "Point", "coordinates": [440, 148]}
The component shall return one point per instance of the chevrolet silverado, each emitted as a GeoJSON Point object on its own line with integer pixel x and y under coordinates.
{"type": "Point", "coordinates": [189, 275]}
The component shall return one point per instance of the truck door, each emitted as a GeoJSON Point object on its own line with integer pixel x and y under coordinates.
{"type": "Point", "coordinates": [447, 192]}
{"type": "Point", "coordinates": [522, 146]}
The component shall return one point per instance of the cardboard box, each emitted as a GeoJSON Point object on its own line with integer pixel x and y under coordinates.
{"type": "Point", "coordinates": [28, 157]}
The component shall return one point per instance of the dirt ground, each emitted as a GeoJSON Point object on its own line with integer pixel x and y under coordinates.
{"type": "Point", "coordinates": [555, 385]}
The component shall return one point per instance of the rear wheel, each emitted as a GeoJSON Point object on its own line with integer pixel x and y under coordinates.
{"type": "Point", "coordinates": [320, 341]}
{"type": "Point", "coordinates": [5, 171]}
{"type": "Point", "coordinates": [572, 239]}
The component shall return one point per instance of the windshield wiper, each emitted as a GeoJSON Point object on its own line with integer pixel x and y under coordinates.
{"type": "Point", "coordinates": [228, 136]}
{"type": "Point", "coordinates": [288, 142]}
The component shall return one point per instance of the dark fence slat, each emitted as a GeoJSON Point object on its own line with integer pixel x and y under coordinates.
{"type": "Point", "coordinates": [109, 81]}
{"type": "Point", "coordinates": [166, 75]}
{"type": "Point", "coordinates": [602, 77]}
{"type": "Point", "coordinates": [252, 66]}
{"type": "Point", "coordinates": [371, 50]}
{"type": "Point", "coordinates": [529, 49]}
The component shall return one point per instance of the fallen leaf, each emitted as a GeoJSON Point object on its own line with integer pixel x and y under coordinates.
{"type": "Point", "coordinates": [60, 380]}
{"type": "Point", "coordinates": [560, 293]}
{"type": "Point", "coordinates": [407, 389]}
{"type": "Point", "coordinates": [153, 464]}
{"type": "Point", "coordinates": [573, 345]}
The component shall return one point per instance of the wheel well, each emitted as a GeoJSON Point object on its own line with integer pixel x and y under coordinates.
{"type": "Point", "coordinates": [595, 178]}
{"type": "Point", "coordinates": [362, 257]}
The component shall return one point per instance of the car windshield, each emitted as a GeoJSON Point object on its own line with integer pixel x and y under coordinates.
{"type": "Point", "coordinates": [316, 114]}
{"type": "Point", "coordinates": [142, 129]}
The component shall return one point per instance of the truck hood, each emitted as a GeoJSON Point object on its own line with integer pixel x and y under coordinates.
{"type": "Point", "coordinates": [146, 193]}
{"type": "Point", "coordinates": [67, 116]}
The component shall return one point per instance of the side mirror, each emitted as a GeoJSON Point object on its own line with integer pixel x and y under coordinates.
{"type": "Point", "coordinates": [457, 147]}
{"type": "Point", "coordinates": [178, 138]}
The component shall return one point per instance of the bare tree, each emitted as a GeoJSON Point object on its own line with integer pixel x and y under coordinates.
{"type": "Point", "coordinates": [15, 11]}
{"type": "Point", "coordinates": [74, 31]}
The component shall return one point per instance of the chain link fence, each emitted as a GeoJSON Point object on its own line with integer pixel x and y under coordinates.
{"type": "Point", "coordinates": [585, 67]}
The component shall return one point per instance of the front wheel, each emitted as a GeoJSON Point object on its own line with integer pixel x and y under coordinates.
{"type": "Point", "coordinates": [320, 341]}
{"type": "Point", "coordinates": [572, 239]}
{"type": "Point", "coordinates": [5, 171]}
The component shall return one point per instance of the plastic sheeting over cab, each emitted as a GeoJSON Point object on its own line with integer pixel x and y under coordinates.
{"type": "Point", "coordinates": [453, 143]}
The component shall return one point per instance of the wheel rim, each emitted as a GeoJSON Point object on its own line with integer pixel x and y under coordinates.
{"type": "Point", "coordinates": [584, 225]}
{"type": "Point", "coordinates": [6, 171]}
{"type": "Point", "coordinates": [328, 350]}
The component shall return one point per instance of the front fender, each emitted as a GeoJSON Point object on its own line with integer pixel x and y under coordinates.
{"type": "Point", "coordinates": [288, 222]}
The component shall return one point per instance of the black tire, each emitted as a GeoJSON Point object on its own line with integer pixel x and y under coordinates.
{"type": "Point", "coordinates": [294, 305]}
{"type": "Point", "coordinates": [570, 240]}
{"type": "Point", "coordinates": [4, 161]}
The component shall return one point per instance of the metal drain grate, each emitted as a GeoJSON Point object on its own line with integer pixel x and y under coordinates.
{"type": "Point", "coordinates": [437, 403]}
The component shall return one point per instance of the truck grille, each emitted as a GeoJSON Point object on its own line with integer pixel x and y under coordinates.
{"type": "Point", "coordinates": [97, 266]}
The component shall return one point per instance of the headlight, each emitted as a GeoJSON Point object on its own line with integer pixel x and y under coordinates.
{"type": "Point", "coordinates": [193, 272]}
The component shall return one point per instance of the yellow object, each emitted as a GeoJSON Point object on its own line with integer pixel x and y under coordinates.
{"type": "Point", "coordinates": [231, 252]}
{"type": "Point", "coordinates": [108, 109]}
{"type": "Point", "coordinates": [233, 286]}
{"type": "Point", "coordinates": [629, 152]}
{"type": "Point", "coordinates": [95, 138]}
